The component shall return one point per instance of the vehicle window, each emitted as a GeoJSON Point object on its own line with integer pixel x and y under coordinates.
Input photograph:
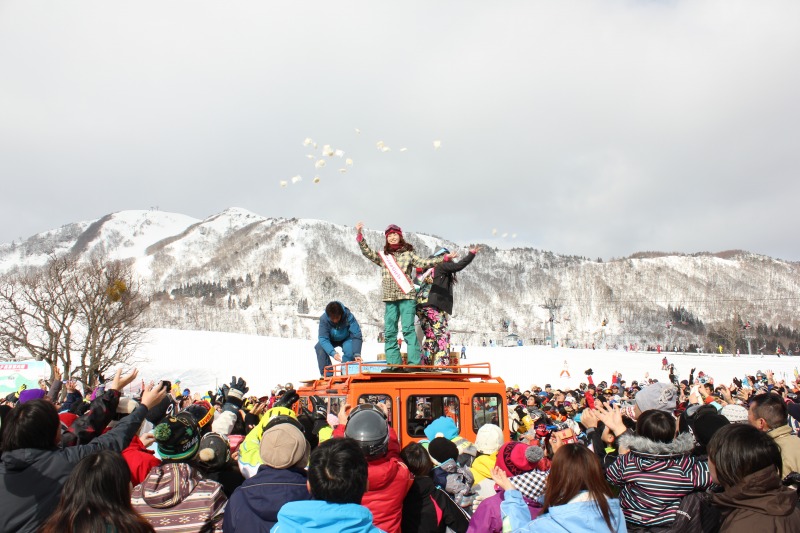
{"type": "Point", "coordinates": [486, 409]}
{"type": "Point", "coordinates": [334, 403]}
{"type": "Point", "coordinates": [422, 410]}
{"type": "Point", "coordinates": [375, 399]}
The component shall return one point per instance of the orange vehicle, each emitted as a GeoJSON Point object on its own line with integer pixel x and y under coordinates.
{"type": "Point", "coordinates": [415, 396]}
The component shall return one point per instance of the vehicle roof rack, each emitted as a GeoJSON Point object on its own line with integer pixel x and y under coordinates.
{"type": "Point", "coordinates": [382, 371]}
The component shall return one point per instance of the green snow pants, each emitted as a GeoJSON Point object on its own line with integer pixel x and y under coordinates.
{"type": "Point", "coordinates": [405, 311]}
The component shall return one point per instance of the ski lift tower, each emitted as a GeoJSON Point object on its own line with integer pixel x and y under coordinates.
{"type": "Point", "coordinates": [552, 305]}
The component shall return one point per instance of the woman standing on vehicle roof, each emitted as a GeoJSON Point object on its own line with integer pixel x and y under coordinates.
{"type": "Point", "coordinates": [435, 305]}
{"type": "Point", "coordinates": [396, 261]}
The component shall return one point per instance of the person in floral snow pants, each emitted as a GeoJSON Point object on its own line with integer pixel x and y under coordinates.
{"type": "Point", "coordinates": [435, 307]}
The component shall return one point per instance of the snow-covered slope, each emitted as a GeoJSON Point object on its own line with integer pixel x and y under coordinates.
{"type": "Point", "coordinates": [267, 361]}
{"type": "Point", "coordinates": [266, 272]}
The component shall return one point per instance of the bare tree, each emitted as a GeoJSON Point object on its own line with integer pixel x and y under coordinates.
{"type": "Point", "coordinates": [84, 317]}
{"type": "Point", "coordinates": [728, 332]}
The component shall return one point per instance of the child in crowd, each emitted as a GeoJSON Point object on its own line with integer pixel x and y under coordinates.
{"type": "Point", "coordinates": [337, 480]}
{"type": "Point", "coordinates": [428, 508]}
{"type": "Point", "coordinates": [455, 479]}
{"type": "Point", "coordinates": [655, 468]}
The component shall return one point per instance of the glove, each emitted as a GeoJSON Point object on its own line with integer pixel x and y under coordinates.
{"type": "Point", "coordinates": [319, 407]}
{"type": "Point", "coordinates": [236, 391]}
{"type": "Point", "coordinates": [589, 372]}
{"type": "Point", "coordinates": [288, 399]}
{"type": "Point", "coordinates": [238, 387]}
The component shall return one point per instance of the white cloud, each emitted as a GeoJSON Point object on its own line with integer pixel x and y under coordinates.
{"type": "Point", "coordinates": [594, 129]}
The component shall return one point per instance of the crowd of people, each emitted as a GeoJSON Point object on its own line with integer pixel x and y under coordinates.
{"type": "Point", "coordinates": [640, 456]}
{"type": "Point", "coordinates": [692, 455]}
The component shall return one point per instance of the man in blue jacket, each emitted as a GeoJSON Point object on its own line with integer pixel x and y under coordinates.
{"type": "Point", "coordinates": [337, 328]}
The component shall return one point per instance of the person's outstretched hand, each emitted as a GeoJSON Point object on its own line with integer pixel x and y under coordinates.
{"type": "Point", "coordinates": [589, 418]}
{"type": "Point", "coordinates": [120, 381]}
{"type": "Point", "coordinates": [288, 399]}
{"type": "Point", "coordinates": [359, 227]}
{"type": "Point", "coordinates": [501, 478]}
{"type": "Point", "coordinates": [153, 395]}
{"type": "Point", "coordinates": [238, 388]}
{"type": "Point", "coordinates": [319, 407]}
{"type": "Point", "coordinates": [611, 417]}
{"type": "Point", "coordinates": [344, 412]}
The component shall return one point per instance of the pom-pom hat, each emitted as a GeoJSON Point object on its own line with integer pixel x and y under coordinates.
{"type": "Point", "coordinates": [177, 437]}
{"type": "Point", "coordinates": [516, 458]}
{"type": "Point", "coordinates": [214, 451]}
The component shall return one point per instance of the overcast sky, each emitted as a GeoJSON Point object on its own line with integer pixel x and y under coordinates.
{"type": "Point", "coordinates": [595, 128]}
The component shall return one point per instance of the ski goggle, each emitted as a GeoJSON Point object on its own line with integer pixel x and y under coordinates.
{"type": "Point", "coordinates": [392, 229]}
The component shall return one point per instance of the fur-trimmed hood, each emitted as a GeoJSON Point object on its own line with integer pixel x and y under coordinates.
{"type": "Point", "coordinates": [680, 445]}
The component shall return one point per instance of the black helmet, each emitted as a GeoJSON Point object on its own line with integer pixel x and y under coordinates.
{"type": "Point", "coordinates": [368, 426]}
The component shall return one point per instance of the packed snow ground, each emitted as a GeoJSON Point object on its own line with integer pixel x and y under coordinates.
{"type": "Point", "coordinates": [202, 360]}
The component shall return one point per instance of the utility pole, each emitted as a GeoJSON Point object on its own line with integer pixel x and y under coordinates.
{"type": "Point", "coordinates": [552, 305]}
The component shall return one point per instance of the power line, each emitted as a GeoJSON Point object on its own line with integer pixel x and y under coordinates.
{"type": "Point", "coordinates": [679, 301]}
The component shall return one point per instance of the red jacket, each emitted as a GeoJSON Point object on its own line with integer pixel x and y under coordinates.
{"type": "Point", "coordinates": [389, 481]}
{"type": "Point", "coordinates": [140, 460]}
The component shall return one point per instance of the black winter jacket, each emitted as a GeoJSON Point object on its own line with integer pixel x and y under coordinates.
{"type": "Point", "coordinates": [31, 479]}
{"type": "Point", "coordinates": [441, 295]}
{"type": "Point", "coordinates": [420, 514]}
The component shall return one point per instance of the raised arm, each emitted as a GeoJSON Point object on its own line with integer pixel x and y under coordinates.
{"type": "Point", "coordinates": [365, 249]}
{"type": "Point", "coordinates": [456, 266]}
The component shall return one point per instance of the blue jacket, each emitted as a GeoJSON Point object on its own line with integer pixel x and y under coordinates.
{"type": "Point", "coordinates": [576, 517]}
{"type": "Point", "coordinates": [347, 329]}
{"type": "Point", "coordinates": [254, 506]}
{"type": "Point", "coordinates": [316, 515]}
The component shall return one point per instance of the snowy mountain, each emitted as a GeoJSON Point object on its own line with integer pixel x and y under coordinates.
{"type": "Point", "coordinates": [241, 272]}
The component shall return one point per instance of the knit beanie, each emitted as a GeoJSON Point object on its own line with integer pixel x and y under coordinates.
{"type": "Point", "coordinates": [441, 450]}
{"type": "Point", "coordinates": [284, 446]}
{"type": "Point", "coordinates": [444, 426]}
{"type": "Point", "coordinates": [659, 396]}
{"type": "Point", "coordinates": [31, 394]}
{"type": "Point", "coordinates": [489, 439]}
{"type": "Point", "coordinates": [516, 458]}
{"type": "Point", "coordinates": [203, 414]}
{"type": "Point", "coordinates": [706, 425]}
{"type": "Point", "coordinates": [214, 452]}
{"type": "Point", "coordinates": [177, 437]}
{"type": "Point", "coordinates": [734, 413]}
